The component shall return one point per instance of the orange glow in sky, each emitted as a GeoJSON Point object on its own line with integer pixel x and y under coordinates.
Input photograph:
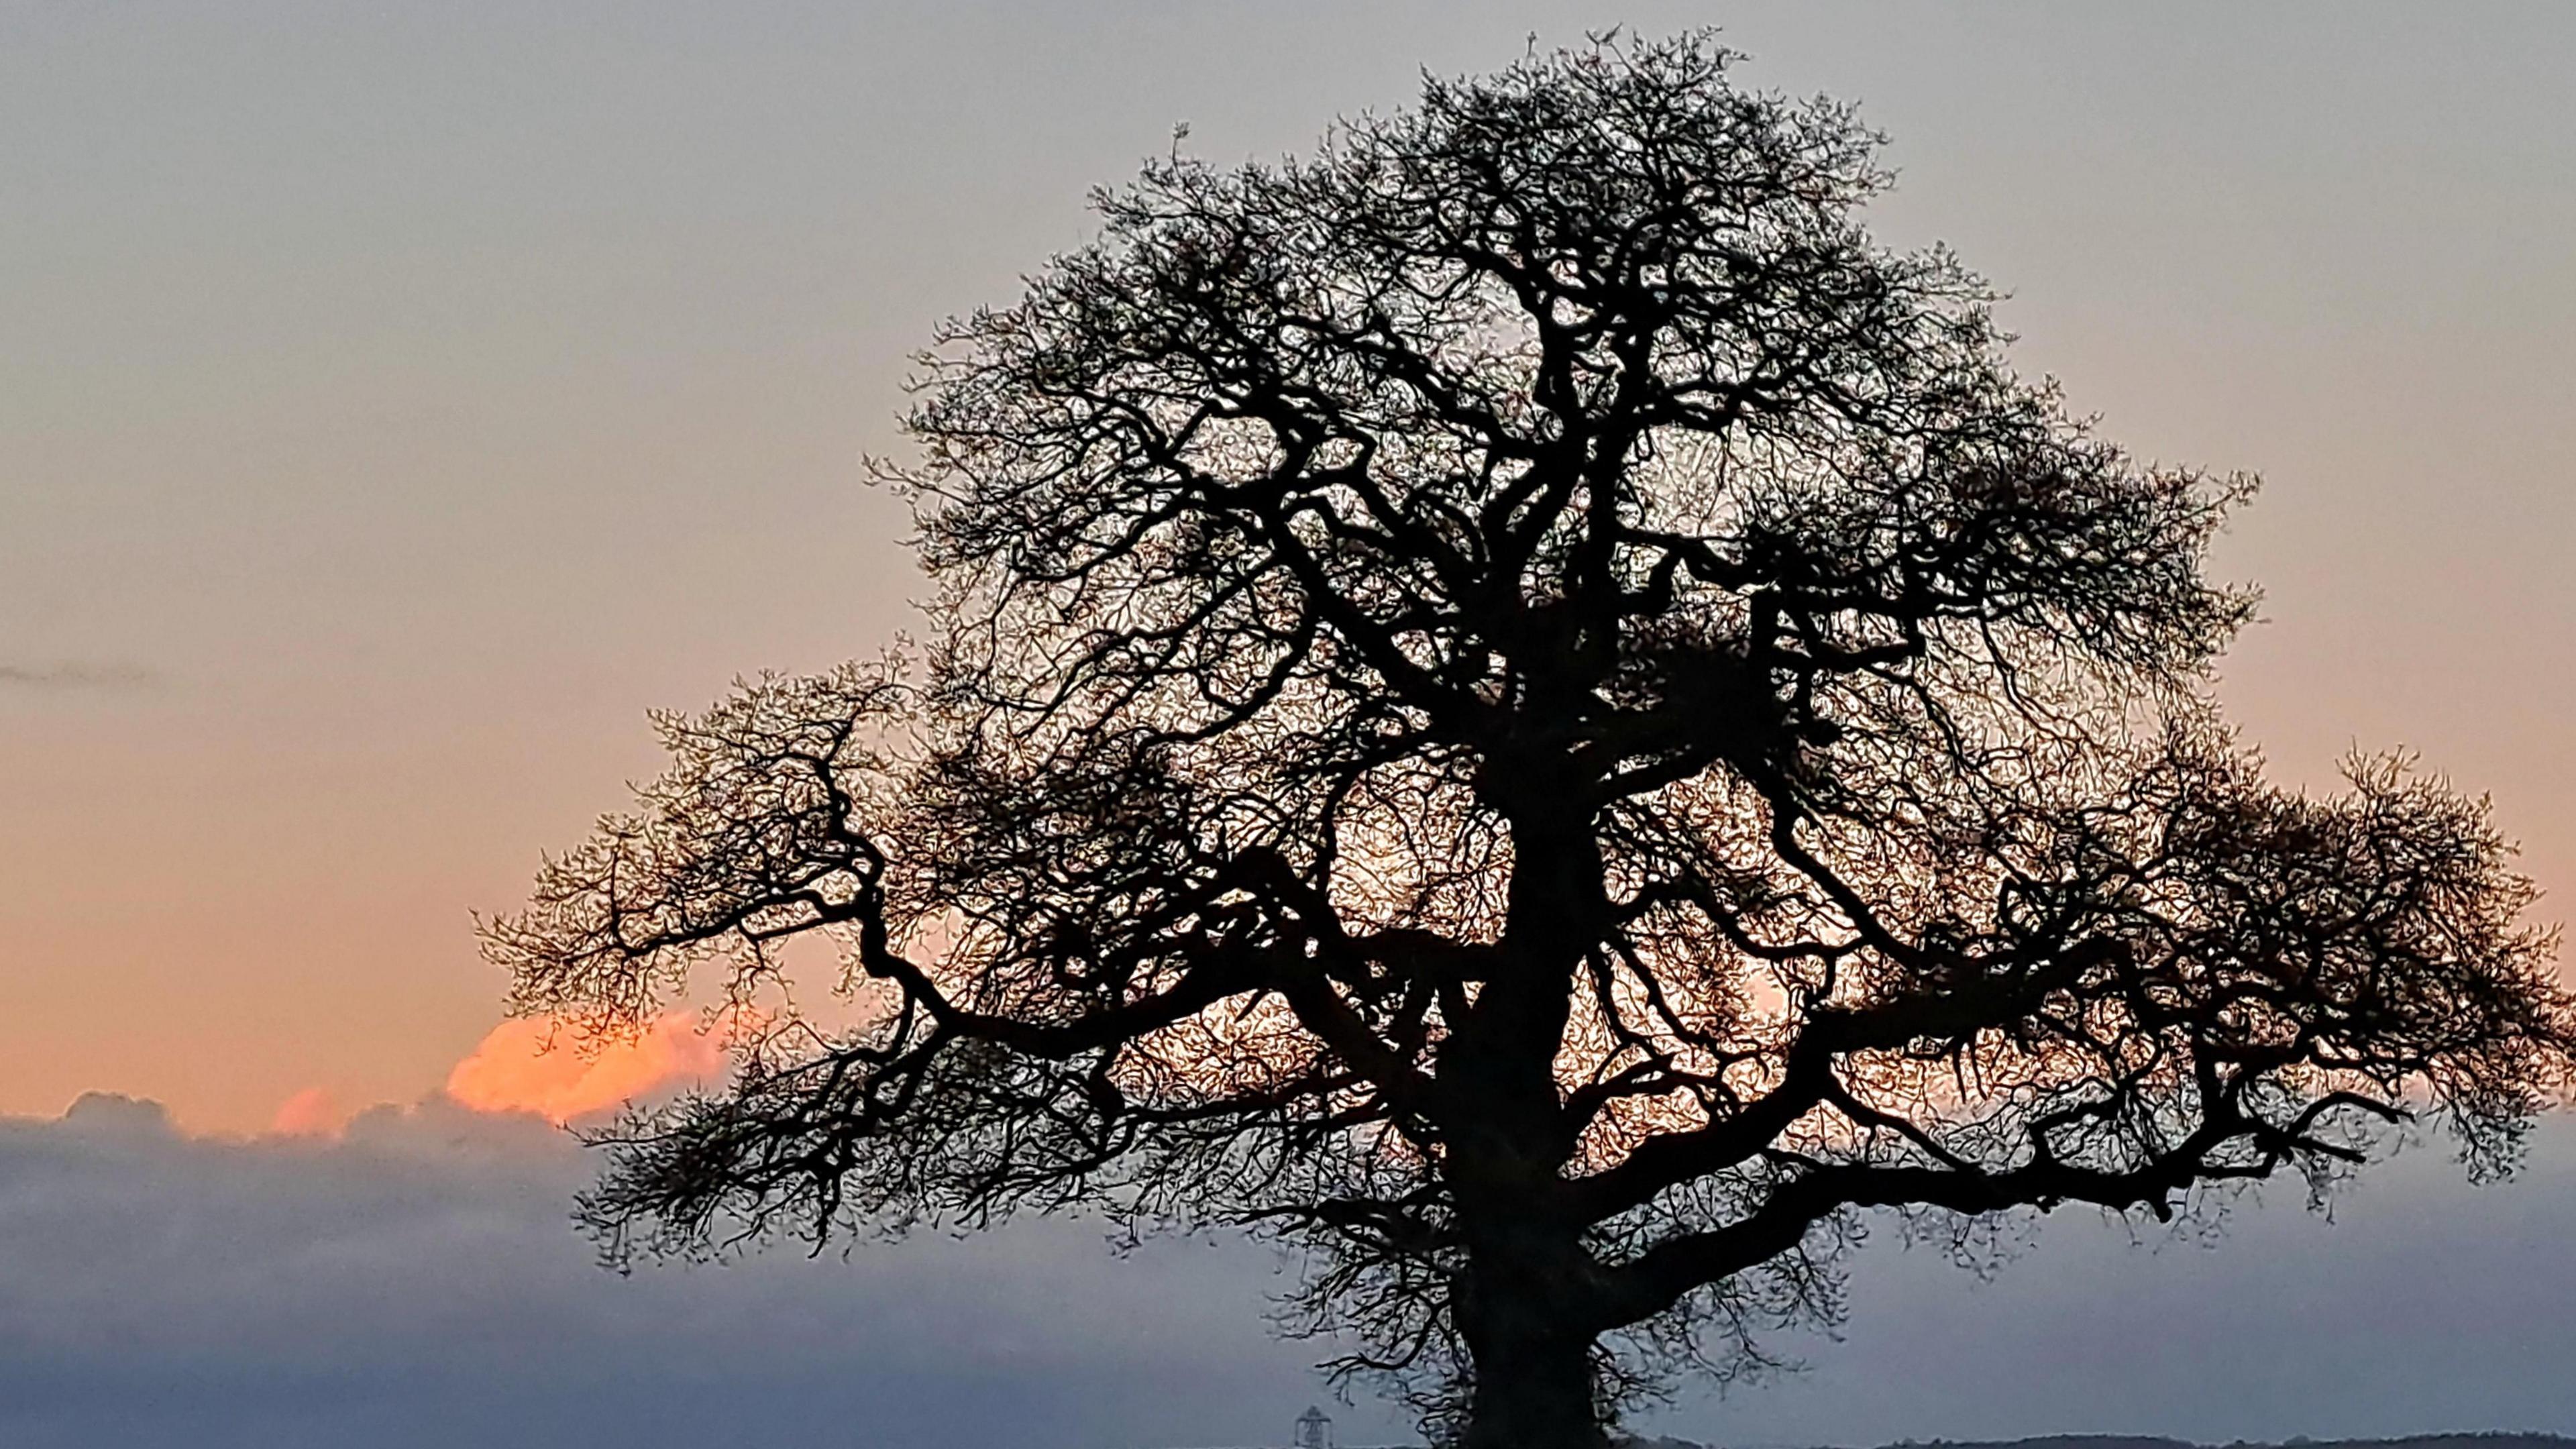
{"type": "Point", "coordinates": [544, 1067]}
{"type": "Point", "coordinates": [313, 1112]}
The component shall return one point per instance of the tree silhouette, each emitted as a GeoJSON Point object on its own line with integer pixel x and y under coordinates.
{"type": "Point", "coordinates": [1519, 704]}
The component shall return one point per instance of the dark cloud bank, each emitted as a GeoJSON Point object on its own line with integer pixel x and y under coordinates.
{"type": "Point", "coordinates": [418, 1285]}
{"type": "Point", "coordinates": [75, 676]}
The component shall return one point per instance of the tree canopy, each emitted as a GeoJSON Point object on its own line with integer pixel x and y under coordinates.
{"type": "Point", "coordinates": [1518, 703]}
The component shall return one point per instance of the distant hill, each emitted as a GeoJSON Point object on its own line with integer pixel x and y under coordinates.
{"type": "Point", "coordinates": [2125, 1441]}
{"type": "Point", "coordinates": [2487, 1440]}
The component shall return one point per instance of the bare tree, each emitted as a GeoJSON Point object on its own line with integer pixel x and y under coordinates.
{"type": "Point", "coordinates": [1520, 705]}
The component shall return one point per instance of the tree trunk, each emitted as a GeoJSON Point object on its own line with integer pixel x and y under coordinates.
{"type": "Point", "coordinates": [1528, 1339]}
{"type": "Point", "coordinates": [1524, 1308]}
{"type": "Point", "coordinates": [1533, 1384]}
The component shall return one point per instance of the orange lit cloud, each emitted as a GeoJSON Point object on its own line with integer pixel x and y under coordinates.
{"type": "Point", "coordinates": [313, 1112]}
{"type": "Point", "coordinates": [549, 1069]}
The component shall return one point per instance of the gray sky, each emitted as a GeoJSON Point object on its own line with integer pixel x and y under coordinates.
{"type": "Point", "coordinates": [397, 400]}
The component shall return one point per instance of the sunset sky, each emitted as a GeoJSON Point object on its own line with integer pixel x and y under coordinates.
{"type": "Point", "coordinates": [396, 401]}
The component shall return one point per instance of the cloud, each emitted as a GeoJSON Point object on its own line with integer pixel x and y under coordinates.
{"type": "Point", "coordinates": [414, 1282]}
{"type": "Point", "coordinates": [553, 1070]}
{"type": "Point", "coordinates": [313, 1112]}
{"type": "Point", "coordinates": [116, 1116]}
{"type": "Point", "coordinates": [2418, 1303]}
{"type": "Point", "coordinates": [549, 1069]}
{"type": "Point", "coordinates": [76, 676]}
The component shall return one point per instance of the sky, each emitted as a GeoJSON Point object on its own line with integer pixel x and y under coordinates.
{"type": "Point", "coordinates": [396, 401]}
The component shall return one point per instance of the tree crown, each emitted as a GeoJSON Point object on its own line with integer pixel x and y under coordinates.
{"type": "Point", "coordinates": [1518, 700]}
